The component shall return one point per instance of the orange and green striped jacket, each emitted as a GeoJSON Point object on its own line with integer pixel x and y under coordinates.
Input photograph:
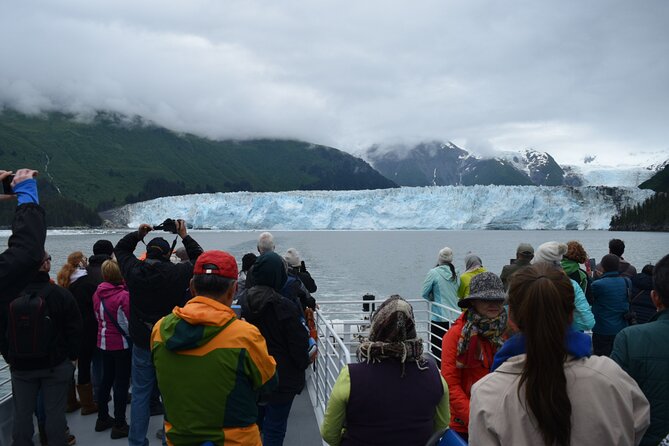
{"type": "Point", "coordinates": [211, 368]}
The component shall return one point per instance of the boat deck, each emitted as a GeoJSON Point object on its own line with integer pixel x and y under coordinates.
{"type": "Point", "coordinates": [302, 427]}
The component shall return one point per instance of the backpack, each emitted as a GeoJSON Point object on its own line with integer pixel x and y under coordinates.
{"type": "Point", "coordinates": [30, 330]}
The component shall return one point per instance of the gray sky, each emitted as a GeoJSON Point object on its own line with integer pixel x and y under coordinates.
{"type": "Point", "coordinates": [568, 77]}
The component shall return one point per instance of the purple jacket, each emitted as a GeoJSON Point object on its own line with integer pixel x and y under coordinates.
{"type": "Point", "coordinates": [117, 303]}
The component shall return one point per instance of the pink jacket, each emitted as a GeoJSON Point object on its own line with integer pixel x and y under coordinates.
{"type": "Point", "coordinates": [117, 302]}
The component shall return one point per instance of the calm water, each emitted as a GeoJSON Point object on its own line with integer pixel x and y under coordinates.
{"type": "Point", "coordinates": [346, 264]}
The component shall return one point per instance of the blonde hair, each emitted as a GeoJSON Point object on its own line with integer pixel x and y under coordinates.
{"type": "Point", "coordinates": [73, 261]}
{"type": "Point", "coordinates": [111, 272]}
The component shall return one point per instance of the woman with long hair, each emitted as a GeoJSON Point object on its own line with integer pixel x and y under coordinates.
{"type": "Point", "coordinates": [74, 269]}
{"type": "Point", "coordinates": [394, 395]}
{"type": "Point", "coordinates": [545, 388]}
{"type": "Point", "coordinates": [441, 286]}
{"type": "Point", "coordinates": [470, 345]}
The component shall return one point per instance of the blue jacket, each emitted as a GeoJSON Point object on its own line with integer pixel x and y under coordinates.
{"type": "Point", "coordinates": [641, 351]}
{"type": "Point", "coordinates": [610, 303]}
{"type": "Point", "coordinates": [440, 286]}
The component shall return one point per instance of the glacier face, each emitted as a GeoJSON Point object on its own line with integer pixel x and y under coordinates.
{"type": "Point", "coordinates": [434, 207]}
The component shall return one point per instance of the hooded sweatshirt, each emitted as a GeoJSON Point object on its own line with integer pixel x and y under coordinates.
{"type": "Point", "coordinates": [117, 303]}
{"type": "Point", "coordinates": [211, 369]}
{"type": "Point", "coordinates": [440, 286]}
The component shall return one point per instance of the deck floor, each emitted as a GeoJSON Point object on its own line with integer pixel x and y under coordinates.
{"type": "Point", "coordinates": [302, 427]}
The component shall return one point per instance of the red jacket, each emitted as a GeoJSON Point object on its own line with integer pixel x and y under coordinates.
{"type": "Point", "coordinates": [460, 381]}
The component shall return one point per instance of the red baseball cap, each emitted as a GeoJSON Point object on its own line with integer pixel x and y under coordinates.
{"type": "Point", "coordinates": [219, 263]}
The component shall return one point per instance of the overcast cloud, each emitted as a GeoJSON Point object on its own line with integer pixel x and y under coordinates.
{"type": "Point", "coordinates": [572, 78]}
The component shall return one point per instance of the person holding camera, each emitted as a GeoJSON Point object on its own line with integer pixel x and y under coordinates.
{"type": "Point", "coordinates": [156, 286]}
{"type": "Point", "coordinates": [25, 252]}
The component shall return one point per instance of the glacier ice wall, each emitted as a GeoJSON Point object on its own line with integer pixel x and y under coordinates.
{"type": "Point", "coordinates": [436, 207]}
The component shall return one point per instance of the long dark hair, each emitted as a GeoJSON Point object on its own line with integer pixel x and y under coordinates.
{"type": "Point", "coordinates": [541, 300]}
{"type": "Point", "coordinates": [454, 276]}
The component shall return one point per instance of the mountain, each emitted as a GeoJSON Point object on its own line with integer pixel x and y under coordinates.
{"type": "Point", "coordinates": [436, 163]}
{"type": "Point", "coordinates": [112, 160]}
{"type": "Point", "coordinates": [658, 182]}
{"type": "Point", "coordinates": [441, 164]}
{"type": "Point", "coordinates": [435, 207]}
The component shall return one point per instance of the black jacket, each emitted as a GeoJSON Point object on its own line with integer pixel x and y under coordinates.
{"type": "Point", "coordinates": [642, 304]}
{"type": "Point", "coordinates": [24, 254]}
{"type": "Point", "coordinates": [305, 278]}
{"type": "Point", "coordinates": [155, 286]}
{"type": "Point", "coordinates": [66, 320]}
{"type": "Point", "coordinates": [287, 340]}
{"type": "Point", "coordinates": [83, 289]}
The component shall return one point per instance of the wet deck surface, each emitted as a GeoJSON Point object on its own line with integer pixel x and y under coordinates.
{"type": "Point", "coordinates": [302, 427]}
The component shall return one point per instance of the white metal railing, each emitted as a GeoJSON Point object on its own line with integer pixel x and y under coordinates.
{"type": "Point", "coordinates": [5, 382]}
{"type": "Point", "coordinates": [343, 324]}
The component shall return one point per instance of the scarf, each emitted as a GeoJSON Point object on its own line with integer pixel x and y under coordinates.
{"type": "Point", "coordinates": [578, 344]}
{"type": "Point", "coordinates": [77, 274]}
{"type": "Point", "coordinates": [392, 335]}
{"type": "Point", "coordinates": [470, 352]}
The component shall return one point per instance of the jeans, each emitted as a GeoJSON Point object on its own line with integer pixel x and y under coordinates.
{"type": "Point", "coordinates": [272, 421]}
{"type": "Point", "coordinates": [53, 383]}
{"type": "Point", "coordinates": [143, 377]}
{"type": "Point", "coordinates": [116, 374]}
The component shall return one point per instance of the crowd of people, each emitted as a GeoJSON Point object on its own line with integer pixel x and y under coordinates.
{"type": "Point", "coordinates": [554, 350]}
{"type": "Point", "coordinates": [573, 349]}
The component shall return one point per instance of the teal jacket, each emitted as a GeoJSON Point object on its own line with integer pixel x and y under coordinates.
{"type": "Point", "coordinates": [583, 318]}
{"type": "Point", "coordinates": [440, 286]}
{"type": "Point", "coordinates": [641, 350]}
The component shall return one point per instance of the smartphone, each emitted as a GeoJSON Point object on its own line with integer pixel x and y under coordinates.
{"type": "Point", "coordinates": [7, 185]}
{"type": "Point", "coordinates": [593, 264]}
{"type": "Point", "coordinates": [238, 310]}
{"type": "Point", "coordinates": [512, 261]}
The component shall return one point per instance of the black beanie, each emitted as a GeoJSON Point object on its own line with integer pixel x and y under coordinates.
{"type": "Point", "coordinates": [103, 247]}
{"type": "Point", "coordinates": [248, 260]}
{"type": "Point", "coordinates": [269, 270]}
{"type": "Point", "coordinates": [158, 248]}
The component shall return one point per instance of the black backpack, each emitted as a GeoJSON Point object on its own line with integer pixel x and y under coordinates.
{"type": "Point", "coordinates": [30, 330]}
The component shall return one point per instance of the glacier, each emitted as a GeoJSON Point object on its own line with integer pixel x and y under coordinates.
{"type": "Point", "coordinates": [418, 208]}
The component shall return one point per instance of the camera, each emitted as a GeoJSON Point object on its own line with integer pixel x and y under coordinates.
{"type": "Point", "coordinates": [7, 185]}
{"type": "Point", "coordinates": [169, 225]}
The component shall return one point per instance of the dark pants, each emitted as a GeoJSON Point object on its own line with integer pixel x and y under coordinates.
{"type": "Point", "coordinates": [53, 383]}
{"type": "Point", "coordinates": [437, 332]}
{"type": "Point", "coordinates": [84, 365]}
{"type": "Point", "coordinates": [272, 421]}
{"type": "Point", "coordinates": [116, 374]}
{"type": "Point", "coordinates": [602, 345]}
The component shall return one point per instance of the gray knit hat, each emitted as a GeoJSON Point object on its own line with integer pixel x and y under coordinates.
{"type": "Point", "coordinates": [445, 256]}
{"type": "Point", "coordinates": [484, 286]}
{"type": "Point", "coordinates": [550, 252]}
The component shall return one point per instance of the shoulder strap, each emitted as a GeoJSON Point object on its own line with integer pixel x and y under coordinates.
{"type": "Point", "coordinates": [114, 321]}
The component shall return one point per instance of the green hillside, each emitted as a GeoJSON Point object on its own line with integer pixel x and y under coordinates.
{"type": "Point", "coordinates": [113, 160]}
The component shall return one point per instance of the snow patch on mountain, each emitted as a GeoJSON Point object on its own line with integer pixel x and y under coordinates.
{"type": "Point", "coordinates": [432, 207]}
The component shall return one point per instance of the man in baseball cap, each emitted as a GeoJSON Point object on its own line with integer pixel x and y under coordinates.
{"type": "Point", "coordinates": [196, 353]}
